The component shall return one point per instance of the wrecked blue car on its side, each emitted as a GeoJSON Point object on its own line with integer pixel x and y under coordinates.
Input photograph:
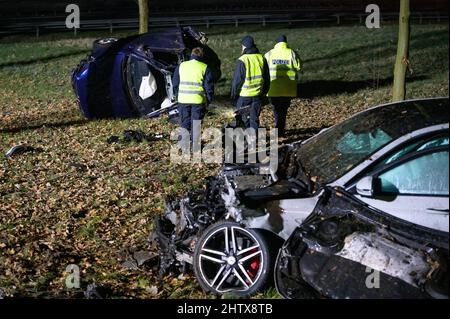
{"type": "Point", "coordinates": [132, 76]}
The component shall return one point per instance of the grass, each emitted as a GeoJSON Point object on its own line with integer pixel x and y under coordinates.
{"type": "Point", "coordinates": [54, 213]}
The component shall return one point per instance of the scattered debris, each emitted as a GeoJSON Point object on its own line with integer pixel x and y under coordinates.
{"type": "Point", "coordinates": [94, 291]}
{"type": "Point", "coordinates": [137, 136]}
{"type": "Point", "coordinates": [78, 166]}
{"type": "Point", "coordinates": [142, 257]}
{"type": "Point", "coordinates": [133, 136]}
{"type": "Point", "coordinates": [113, 139]}
{"type": "Point", "coordinates": [2, 294]}
{"type": "Point", "coordinates": [130, 265]}
{"type": "Point", "coordinates": [138, 259]}
{"type": "Point", "coordinates": [20, 149]}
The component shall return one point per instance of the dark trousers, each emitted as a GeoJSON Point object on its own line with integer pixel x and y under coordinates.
{"type": "Point", "coordinates": [255, 104]}
{"type": "Point", "coordinates": [280, 106]}
{"type": "Point", "coordinates": [188, 114]}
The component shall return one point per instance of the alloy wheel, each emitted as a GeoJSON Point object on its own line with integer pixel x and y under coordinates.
{"type": "Point", "coordinates": [230, 259]}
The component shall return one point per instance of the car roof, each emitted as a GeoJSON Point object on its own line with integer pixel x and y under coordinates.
{"type": "Point", "coordinates": [419, 113]}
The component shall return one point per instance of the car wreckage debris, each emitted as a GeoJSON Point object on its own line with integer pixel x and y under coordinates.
{"type": "Point", "coordinates": [132, 77]}
{"type": "Point", "coordinates": [94, 291]}
{"type": "Point", "coordinates": [178, 229]}
{"type": "Point", "coordinates": [137, 259]}
{"type": "Point", "coordinates": [134, 136]}
{"type": "Point", "coordinates": [21, 149]}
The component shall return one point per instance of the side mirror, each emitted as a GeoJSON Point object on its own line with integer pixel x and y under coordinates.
{"type": "Point", "coordinates": [365, 186]}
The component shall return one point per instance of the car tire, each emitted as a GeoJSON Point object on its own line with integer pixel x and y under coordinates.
{"type": "Point", "coordinates": [103, 43]}
{"type": "Point", "coordinates": [242, 267]}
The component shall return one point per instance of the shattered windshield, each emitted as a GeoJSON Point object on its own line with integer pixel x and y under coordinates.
{"type": "Point", "coordinates": [334, 152]}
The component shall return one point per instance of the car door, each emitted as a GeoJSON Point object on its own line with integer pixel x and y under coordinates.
{"type": "Point", "coordinates": [415, 186]}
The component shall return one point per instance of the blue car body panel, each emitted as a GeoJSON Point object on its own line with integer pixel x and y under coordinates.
{"type": "Point", "coordinates": [165, 40]}
{"type": "Point", "coordinates": [80, 87]}
{"type": "Point", "coordinates": [119, 96]}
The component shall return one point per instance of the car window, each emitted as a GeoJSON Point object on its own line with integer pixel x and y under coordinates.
{"type": "Point", "coordinates": [424, 175]}
{"type": "Point", "coordinates": [419, 145]}
{"type": "Point", "coordinates": [439, 141]}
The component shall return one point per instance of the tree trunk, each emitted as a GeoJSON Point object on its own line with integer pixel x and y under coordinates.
{"type": "Point", "coordinates": [143, 16]}
{"type": "Point", "coordinates": [401, 62]}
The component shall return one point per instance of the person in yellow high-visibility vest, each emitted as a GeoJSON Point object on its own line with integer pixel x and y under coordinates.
{"type": "Point", "coordinates": [284, 65]}
{"type": "Point", "coordinates": [251, 81]}
{"type": "Point", "coordinates": [194, 87]}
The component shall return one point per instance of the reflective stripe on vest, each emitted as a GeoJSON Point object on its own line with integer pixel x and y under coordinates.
{"type": "Point", "coordinates": [191, 89]}
{"type": "Point", "coordinates": [283, 68]}
{"type": "Point", "coordinates": [253, 84]}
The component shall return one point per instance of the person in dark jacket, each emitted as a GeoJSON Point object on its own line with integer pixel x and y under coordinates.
{"type": "Point", "coordinates": [194, 87]}
{"type": "Point", "coordinates": [251, 81]}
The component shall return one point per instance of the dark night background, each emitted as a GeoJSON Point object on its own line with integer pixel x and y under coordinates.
{"type": "Point", "coordinates": [128, 8]}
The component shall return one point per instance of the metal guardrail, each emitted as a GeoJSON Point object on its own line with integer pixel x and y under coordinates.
{"type": "Point", "coordinates": [37, 25]}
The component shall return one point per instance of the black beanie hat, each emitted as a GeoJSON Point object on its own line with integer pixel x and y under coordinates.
{"type": "Point", "coordinates": [248, 41]}
{"type": "Point", "coordinates": [281, 38]}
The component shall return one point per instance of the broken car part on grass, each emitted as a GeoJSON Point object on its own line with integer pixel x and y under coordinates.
{"type": "Point", "coordinates": [136, 136]}
{"type": "Point", "coordinates": [21, 149]}
{"type": "Point", "coordinates": [348, 204]}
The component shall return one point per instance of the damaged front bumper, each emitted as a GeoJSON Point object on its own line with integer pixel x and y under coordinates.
{"type": "Point", "coordinates": [177, 230]}
{"type": "Point", "coordinates": [238, 193]}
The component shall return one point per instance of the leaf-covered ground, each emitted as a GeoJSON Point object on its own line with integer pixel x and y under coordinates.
{"type": "Point", "coordinates": [82, 201]}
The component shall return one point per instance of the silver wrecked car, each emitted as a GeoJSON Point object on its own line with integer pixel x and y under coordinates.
{"type": "Point", "coordinates": [361, 205]}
